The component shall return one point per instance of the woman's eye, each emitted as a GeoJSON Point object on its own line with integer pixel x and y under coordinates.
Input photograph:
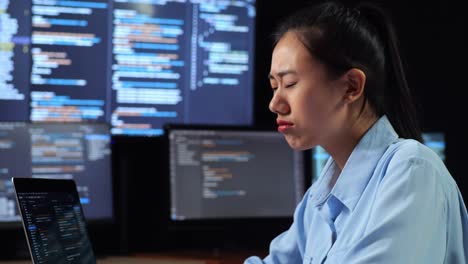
{"type": "Point", "coordinates": [290, 85]}
{"type": "Point", "coordinates": [274, 89]}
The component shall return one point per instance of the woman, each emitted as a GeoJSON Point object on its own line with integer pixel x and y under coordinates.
{"type": "Point", "coordinates": [383, 197]}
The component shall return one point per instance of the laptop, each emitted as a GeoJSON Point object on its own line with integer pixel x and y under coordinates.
{"type": "Point", "coordinates": [53, 221]}
{"type": "Point", "coordinates": [55, 226]}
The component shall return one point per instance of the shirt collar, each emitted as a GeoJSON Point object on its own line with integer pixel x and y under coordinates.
{"type": "Point", "coordinates": [358, 169]}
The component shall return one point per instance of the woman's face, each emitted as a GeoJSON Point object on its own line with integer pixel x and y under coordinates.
{"type": "Point", "coordinates": [307, 102]}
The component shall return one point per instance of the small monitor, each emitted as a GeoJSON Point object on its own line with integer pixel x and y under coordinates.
{"type": "Point", "coordinates": [57, 151]}
{"type": "Point", "coordinates": [436, 142]}
{"type": "Point", "coordinates": [319, 159]}
{"type": "Point", "coordinates": [232, 173]}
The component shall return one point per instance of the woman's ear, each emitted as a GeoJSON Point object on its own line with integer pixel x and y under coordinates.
{"type": "Point", "coordinates": [355, 81]}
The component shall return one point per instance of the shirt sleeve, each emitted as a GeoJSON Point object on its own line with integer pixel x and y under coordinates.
{"type": "Point", "coordinates": [457, 224]}
{"type": "Point", "coordinates": [285, 247]}
{"type": "Point", "coordinates": [408, 220]}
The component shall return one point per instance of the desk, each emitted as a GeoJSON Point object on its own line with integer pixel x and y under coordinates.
{"type": "Point", "coordinates": [127, 260]}
{"type": "Point", "coordinates": [174, 257]}
{"type": "Point", "coordinates": [212, 257]}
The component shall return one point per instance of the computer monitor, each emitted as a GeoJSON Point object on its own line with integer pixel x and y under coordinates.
{"type": "Point", "coordinates": [135, 64]}
{"type": "Point", "coordinates": [60, 151]}
{"type": "Point", "coordinates": [232, 173]}
{"type": "Point", "coordinates": [433, 140]}
{"type": "Point", "coordinates": [181, 62]}
{"type": "Point", "coordinates": [436, 142]}
{"type": "Point", "coordinates": [319, 157]}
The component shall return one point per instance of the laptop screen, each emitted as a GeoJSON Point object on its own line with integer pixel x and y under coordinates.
{"type": "Point", "coordinates": [53, 221]}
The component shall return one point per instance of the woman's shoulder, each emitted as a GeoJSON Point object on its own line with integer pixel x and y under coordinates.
{"type": "Point", "coordinates": [410, 150]}
{"type": "Point", "coordinates": [411, 154]}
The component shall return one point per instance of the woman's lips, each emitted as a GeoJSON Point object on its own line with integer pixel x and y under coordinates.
{"type": "Point", "coordinates": [283, 125]}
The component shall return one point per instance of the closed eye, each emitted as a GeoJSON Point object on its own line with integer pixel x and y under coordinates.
{"type": "Point", "coordinates": [290, 85]}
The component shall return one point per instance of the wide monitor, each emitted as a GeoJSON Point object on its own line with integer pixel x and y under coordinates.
{"type": "Point", "coordinates": [59, 151]}
{"type": "Point", "coordinates": [232, 173]}
{"type": "Point", "coordinates": [434, 140]}
{"type": "Point", "coordinates": [135, 64]}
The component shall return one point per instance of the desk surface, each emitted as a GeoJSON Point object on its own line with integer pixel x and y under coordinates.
{"type": "Point", "coordinates": [176, 257]}
{"type": "Point", "coordinates": [128, 260]}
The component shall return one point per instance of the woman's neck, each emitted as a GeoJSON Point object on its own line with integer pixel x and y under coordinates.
{"type": "Point", "coordinates": [341, 145]}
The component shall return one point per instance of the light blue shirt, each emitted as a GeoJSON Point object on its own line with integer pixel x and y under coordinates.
{"type": "Point", "coordinates": [393, 202]}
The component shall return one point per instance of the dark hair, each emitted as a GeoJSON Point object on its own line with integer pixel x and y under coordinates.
{"type": "Point", "coordinates": [360, 36]}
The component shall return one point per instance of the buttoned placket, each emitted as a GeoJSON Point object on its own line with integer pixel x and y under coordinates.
{"type": "Point", "coordinates": [328, 209]}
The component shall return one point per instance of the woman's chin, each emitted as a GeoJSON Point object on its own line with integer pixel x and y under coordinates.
{"type": "Point", "coordinates": [297, 144]}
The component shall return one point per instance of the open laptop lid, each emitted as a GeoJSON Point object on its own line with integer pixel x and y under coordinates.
{"type": "Point", "coordinates": [53, 221]}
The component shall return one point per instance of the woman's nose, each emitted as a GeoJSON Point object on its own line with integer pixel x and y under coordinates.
{"type": "Point", "coordinates": [278, 104]}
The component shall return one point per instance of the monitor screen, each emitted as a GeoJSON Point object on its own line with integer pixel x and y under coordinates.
{"type": "Point", "coordinates": [434, 140]}
{"type": "Point", "coordinates": [135, 64]}
{"type": "Point", "coordinates": [59, 151]}
{"type": "Point", "coordinates": [15, 40]}
{"type": "Point", "coordinates": [319, 159]}
{"type": "Point", "coordinates": [229, 173]}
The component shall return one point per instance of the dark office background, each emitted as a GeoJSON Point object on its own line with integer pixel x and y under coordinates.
{"type": "Point", "coordinates": [433, 43]}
